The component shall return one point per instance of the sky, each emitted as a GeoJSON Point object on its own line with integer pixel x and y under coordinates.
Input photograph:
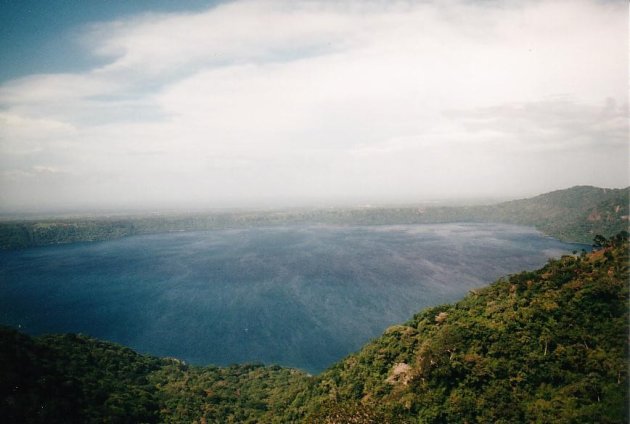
{"type": "Point", "coordinates": [161, 104]}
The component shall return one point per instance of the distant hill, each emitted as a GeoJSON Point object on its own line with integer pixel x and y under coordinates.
{"type": "Point", "coordinates": [542, 346]}
{"type": "Point", "coordinates": [574, 215]}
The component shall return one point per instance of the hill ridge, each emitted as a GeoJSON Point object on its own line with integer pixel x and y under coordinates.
{"type": "Point", "coordinates": [575, 214]}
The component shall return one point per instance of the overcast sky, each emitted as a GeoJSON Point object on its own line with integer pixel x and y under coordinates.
{"type": "Point", "coordinates": [248, 103]}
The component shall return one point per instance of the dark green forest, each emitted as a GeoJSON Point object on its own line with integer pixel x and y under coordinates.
{"type": "Point", "coordinates": [573, 215]}
{"type": "Point", "coordinates": [545, 346]}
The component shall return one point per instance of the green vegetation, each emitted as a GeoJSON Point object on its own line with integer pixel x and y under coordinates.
{"type": "Point", "coordinates": [235, 394]}
{"type": "Point", "coordinates": [548, 346]}
{"type": "Point", "coordinates": [22, 234]}
{"type": "Point", "coordinates": [573, 215]}
{"type": "Point", "coordinates": [74, 379]}
{"type": "Point", "coordinates": [77, 379]}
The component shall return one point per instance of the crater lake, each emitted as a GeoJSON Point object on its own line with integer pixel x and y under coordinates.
{"type": "Point", "coordinates": [302, 296]}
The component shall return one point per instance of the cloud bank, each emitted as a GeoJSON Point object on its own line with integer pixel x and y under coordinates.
{"type": "Point", "coordinates": [276, 102]}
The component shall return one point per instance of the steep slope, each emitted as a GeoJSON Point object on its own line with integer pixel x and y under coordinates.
{"type": "Point", "coordinates": [542, 346]}
{"type": "Point", "coordinates": [576, 214]}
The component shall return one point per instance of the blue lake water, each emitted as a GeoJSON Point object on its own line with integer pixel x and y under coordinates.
{"type": "Point", "coordinates": [295, 296]}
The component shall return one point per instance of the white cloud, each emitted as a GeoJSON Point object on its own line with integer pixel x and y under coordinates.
{"type": "Point", "coordinates": [276, 99]}
{"type": "Point", "coordinates": [233, 32]}
{"type": "Point", "coordinates": [21, 135]}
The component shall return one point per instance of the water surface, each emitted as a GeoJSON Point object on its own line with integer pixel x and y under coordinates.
{"type": "Point", "coordinates": [295, 296]}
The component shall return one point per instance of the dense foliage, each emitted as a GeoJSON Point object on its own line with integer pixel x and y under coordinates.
{"type": "Point", "coordinates": [236, 394]}
{"type": "Point", "coordinates": [77, 379]}
{"type": "Point", "coordinates": [543, 346]}
{"type": "Point", "coordinates": [74, 379]}
{"type": "Point", "coordinates": [575, 215]}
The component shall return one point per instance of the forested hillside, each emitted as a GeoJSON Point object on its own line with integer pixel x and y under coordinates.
{"type": "Point", "coordinates": [574, 215]}
{"type": "Point", "coordinates": [544, 346]}
{"type": "Point", "coordinates": [77, 379]}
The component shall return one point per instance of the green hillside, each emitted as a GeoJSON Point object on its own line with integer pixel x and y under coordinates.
{"type": "Point", "coordinates": [575, 215]}
{"type": "Point", "coordinates": [77, 379]}
{"type": "Point", "coordinates": [548, 346]}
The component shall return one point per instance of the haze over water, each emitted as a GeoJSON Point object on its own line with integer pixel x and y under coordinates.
{"type": "Point", "coordinates": [296, 296]}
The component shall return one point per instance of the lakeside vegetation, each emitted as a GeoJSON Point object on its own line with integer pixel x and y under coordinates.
{"type": "Point", "coordinates": [538, 346]}
{"type": "Point", "coordinates": [573, 215]}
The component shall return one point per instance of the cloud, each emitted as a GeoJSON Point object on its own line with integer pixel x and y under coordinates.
{"type": "Point", "coordinates": [260, 100]}
{"type": "Point", "coordinates": [548, 126]}
{"type": "Point", "coordinates": [229, 33]}
{"type": "Point", "coordinates": [20, 135]}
